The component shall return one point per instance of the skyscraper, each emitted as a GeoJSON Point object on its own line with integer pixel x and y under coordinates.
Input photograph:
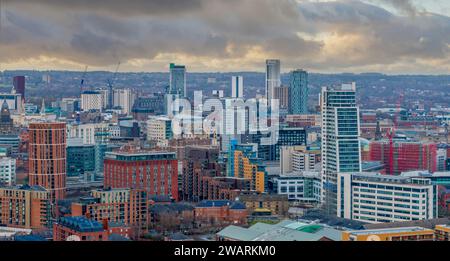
{"type": "Point", "coordinates": [177, 80]}
{"type": "Point", "coordinates": [47, 157]}
{"type": "Point", "coordinates": [341, 151]}
{"type": "Point", "coordinates": [298, 84]}
{"type": "Point", "coordinates": [19, 85]}
{"type": "Point", "coordinates": [237, 87]}
{"type": "Point", "coordinates": [273, 78]}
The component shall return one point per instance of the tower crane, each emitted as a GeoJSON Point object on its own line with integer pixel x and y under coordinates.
{"type": "Point", "coordinates": [391, 135]}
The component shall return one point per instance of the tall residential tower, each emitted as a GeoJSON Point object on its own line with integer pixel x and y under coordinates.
{"type": "Point", "coordinates": [273, 78]}
{"type": "Point", "coordinates": [47, 158]}
{"type": "Point", "coordinates": [341, 151]}
{"type": "Point", "coordinates": [298, 85]}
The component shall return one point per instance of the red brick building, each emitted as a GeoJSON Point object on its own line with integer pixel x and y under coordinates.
{"type": "Point", "coordinates": [84, 229]}
{"type": "Point", "coordinates": [153, 171]}
{"type": "Point", "coordinates": [407, 156]}
{"type": "Point", "coordinates": [124, 206]}
{"type": "Point", "coordinates": [25, 207]}
{"type": "Point", "coordinates": [47, 157]}
{"type": "Point", "coordinates": [220, 212]}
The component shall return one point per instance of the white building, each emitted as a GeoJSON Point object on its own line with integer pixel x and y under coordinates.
{"type": "Point", "coordinates": [273, 77]}
{"type": "Point", "coordinates": [124, 98]}
{"type": "Point", "coordinates": [298, 158]}
{"type": "Point", "coordinates": [14, 101]}
{"type": "Point", "coordinates": [159, 129]}
{"type": "Point", "coordinates": [341, 150]}
{"type": "Point", "coordinates": [376, 198]}
{"type": "Point", "coordinates": [237, 87]}
{"type": "Point", "coordinates": [303, 186]}
{"type": "Point", "coordinates": [93, 132]}
{"type": "Point", "coordinates": [7, 171]}
{"type": "Point", "coordinates": [91, 100]}
{"type": "Point", "coordinates": [441, 159]}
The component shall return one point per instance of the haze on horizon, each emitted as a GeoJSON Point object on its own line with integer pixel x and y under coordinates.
{"type": "Point", "coordinates": [386, 36]}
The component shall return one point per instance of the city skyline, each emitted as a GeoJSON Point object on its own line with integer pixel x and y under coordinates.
{"type": "Point", "coordinates": [393, 37]}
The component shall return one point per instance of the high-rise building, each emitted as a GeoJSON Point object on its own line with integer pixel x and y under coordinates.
{"type": "Point", "coordinates": [298, 85]}
{"type": "Point", "coordinates": [282, 94]}
{"type": "Point", "coordinates": [80, 158]}
{"type": "Point", "coordinates": [237, 87]}
{"type": "Point", "coordinates": [124, 98]}
{"type": "Point", "coordinates": [273, 77]}
{"type": "Point", "coordinates": [25, 207]}
{"type": "Point", "coordinates": [248, 167]}
{"type": "Point", "coordinates": [341, 150]}
{"type": "Point", "coordinates": [298, 158]}
{"type": "Point", "coordinates": [375, 198]}
{"type": "Point", "coordinates": [153, 171]}
{"type": "Point", "coordinates": [92, 100]}
{"type": "Point", "coordinates": [47, 157]}
{"type": "Point", "coordinates": [287, 136]}
{"type": "Point", "coordinates": [177, 80]}
{"type": "Point", "coordinates": [19, 85]}
{"type": "Point", "coordinates": [159, 130]}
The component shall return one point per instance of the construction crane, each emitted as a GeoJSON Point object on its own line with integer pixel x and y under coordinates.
{"type": "Point", "coordinates": [391, 135]}
{"type": "Point", "coordinates": [82, 79]}
{"type": "Point", "coordinates": [110, 86]}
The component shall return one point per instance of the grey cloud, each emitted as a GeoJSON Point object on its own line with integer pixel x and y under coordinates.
{"type": "Point", "coordinates": [101, 32]}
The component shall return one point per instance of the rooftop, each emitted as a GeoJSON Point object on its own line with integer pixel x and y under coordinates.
{"type": "Point", "coordinates": [81, 224]}
{"type": "Point", "coordinates": [286, 230]}
{"type": "Point", "coordinates": [388, 230]}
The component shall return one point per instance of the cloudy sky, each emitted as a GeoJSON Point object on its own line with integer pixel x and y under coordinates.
{"type": "Point", "coordinates": [390, 36]}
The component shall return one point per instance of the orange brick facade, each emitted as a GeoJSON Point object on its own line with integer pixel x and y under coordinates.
{"type": "Point", "coordinates": [47, 158]}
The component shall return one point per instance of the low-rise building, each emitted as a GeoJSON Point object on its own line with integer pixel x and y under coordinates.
{"type": "Point", "coordinates": [7, 171]}
{"type": "Point", "coordinates": [220, 212]}
{"type": "Point", "coordinates": [300, 186]}
{"type": "Point", "coordinates": [390, 234]}
{"type": "Point", "coordinates": [277, 204]}
{"type": "Point", "coordinates": [375, 198]}
{"type": "Point", "coordinates": [286, 230]}
{"type": "Point", "coordinates": [25, 207]}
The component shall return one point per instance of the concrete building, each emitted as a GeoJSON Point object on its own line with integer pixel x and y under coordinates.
{"type": "Point", "coordinates": [159, 130]}
{"type": "Point", "coordinates": [282, 94]}
{"type": "Point", "coordinates": [341, 150]}
{"type": "Point", "coordinates": [376, 198]}
{"type": "Point", "coordinates": [7, 171]}
{"type": "Point", "coordinates": [91, 100]}
{"type": "Point", "coordinates": [298, 158]}
{"type": "Point", "coordinates": [237, 87]}
{"type": "Point", "coordinates": [273, 77]}
{"type": "Point", "coordinates": [124, 99]}
{"type": "Point", "coordinates": [303, 187]}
